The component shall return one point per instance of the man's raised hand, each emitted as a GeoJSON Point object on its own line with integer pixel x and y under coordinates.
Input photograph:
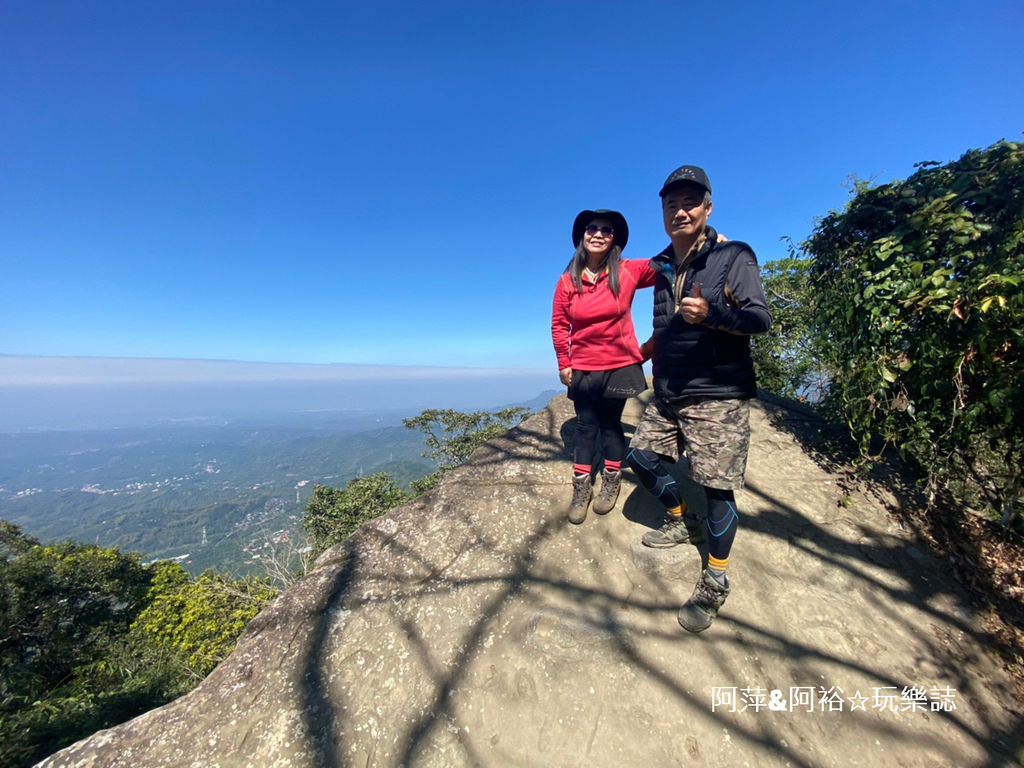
{"type": "Point", "coordinates": [694, 307]}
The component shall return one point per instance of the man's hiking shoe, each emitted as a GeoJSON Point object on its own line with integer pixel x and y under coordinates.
{"type": "Point", "coordinates": [675, 531]}
{"type": "Point", "coordinates": [581, 495]}
{"type": "Point", "coordinates": [610, 482]}
{"type": "Point", "coordinates": [701, 609]}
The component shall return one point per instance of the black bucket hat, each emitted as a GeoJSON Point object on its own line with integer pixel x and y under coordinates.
{"type": "Point", "coordinates": [618, 224]}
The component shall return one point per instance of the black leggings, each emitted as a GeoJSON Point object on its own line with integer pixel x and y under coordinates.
{"type": "Point", "coordinates": [602, 416]}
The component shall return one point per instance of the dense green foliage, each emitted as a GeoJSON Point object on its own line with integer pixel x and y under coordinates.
{"type": "Point", "coordinates": [60, 606]}
{"type": "Point", "coordinates": [332, 514]}
{"type": "Point", "coordinates": [90, 637]}
{"type": "Point", "coordinates": [917, 294]}
{"type": "Point", "coordinates": [201, 619]}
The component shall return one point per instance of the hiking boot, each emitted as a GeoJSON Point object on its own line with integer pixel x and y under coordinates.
{"type": "Point", "coordinates": [676, 530]}
{"type": "Point", "coordinates": [610, 482]}
{"type": "Point", "coordinates": [581, 495]}
{"type": "Point", "coordinates": [701, 609]}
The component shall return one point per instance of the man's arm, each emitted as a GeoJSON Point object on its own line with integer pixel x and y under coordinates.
{"type": "Point", "coordinates": [745, 312]}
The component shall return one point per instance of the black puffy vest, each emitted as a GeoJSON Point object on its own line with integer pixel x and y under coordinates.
{"type": "Point", "coordinates": [695, 360]}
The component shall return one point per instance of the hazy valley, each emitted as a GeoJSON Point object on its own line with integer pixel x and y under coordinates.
{"type": "Point", "coordinates": [209, 494]}
{"type": "Point", "coordinates": [207, 461]}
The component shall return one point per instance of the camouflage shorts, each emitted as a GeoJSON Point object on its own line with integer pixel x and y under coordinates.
{"type": "Point", "coordinates": [714, 435]}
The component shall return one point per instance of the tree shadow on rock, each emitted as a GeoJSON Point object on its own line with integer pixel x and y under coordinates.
{"type": "Point", "coordinates": [925, 580]}
{"type": "Point", "coordinates": [388, 568]}
{"type": "Point", "coordinates": [984, 558]}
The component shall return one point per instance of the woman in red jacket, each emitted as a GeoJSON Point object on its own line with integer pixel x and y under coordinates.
{"type": "Point", "coordinates": [598, 356]}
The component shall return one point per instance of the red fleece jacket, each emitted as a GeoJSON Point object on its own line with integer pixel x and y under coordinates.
{"type": "Point", "coordinates": [593, 330]}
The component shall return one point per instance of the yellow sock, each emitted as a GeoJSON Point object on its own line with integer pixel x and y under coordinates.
{"type": "Point", "coordinates": [717, 565]}
{"type": "Point", "coordinates": [677, 511]}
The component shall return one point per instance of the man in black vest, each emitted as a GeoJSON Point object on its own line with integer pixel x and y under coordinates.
{"type": "Point", "coordinates": [708, 301]}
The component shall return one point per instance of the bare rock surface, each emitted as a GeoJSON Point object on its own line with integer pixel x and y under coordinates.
{"type": "Point", "coordinates": [476, 627]}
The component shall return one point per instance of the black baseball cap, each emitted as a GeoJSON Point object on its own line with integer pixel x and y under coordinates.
{"type": "Point", "coordinates": [691, 173]}
{"type": "Point", "coordinates": [618, 224]}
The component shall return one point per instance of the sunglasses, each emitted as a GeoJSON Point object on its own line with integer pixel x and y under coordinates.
{"type": "Point", "coordinates": [592, 228]}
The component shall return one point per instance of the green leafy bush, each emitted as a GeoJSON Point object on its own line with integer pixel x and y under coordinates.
{"type": "Point", "coordinates": [919, 306]}
{"type": "Point", "coordinates": [90, 637]}
{"type": "Point", "coordinates": [332, 514]}
{"type": "Point", "coordinates": [61, 606]}
{"type": "Point", "coordinates": [201, 620]}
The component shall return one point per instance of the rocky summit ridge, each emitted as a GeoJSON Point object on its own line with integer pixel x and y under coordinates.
{"type": "Point", "coordinates": [475, 627]}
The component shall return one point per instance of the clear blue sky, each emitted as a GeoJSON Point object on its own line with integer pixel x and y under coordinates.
{"type": "Point", "coordinates": [394, 182]}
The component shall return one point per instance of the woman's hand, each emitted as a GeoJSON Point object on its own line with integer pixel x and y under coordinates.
{"type": "Point", "coordinates": [646, 349]}
{"type": "Point", "coordinates": [565, 375]}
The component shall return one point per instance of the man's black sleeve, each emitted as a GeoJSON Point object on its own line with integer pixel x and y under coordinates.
{"type": "Point", "coordinates": [745, 311]}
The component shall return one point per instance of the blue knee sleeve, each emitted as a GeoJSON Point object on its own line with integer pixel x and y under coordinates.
{"type": "Point", "coordinates": [723, 521]}
{"type": "Point", "coordinates": [654, 477]}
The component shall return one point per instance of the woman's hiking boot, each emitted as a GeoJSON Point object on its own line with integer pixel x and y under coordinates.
{"type": "Point", "coordinates": [610, 482]}
{"type": "Point", "coordinates": [581, 495]}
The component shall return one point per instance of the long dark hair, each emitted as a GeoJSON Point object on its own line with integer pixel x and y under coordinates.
{"type": "Point", "coordinates": [579, 261]}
